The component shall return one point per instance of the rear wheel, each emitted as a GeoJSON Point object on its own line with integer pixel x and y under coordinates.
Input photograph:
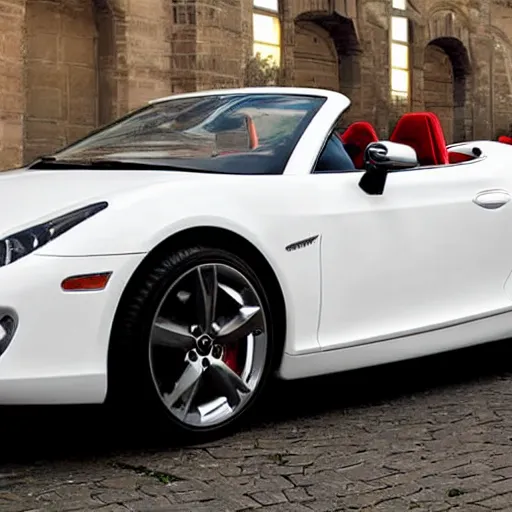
{"type": "Point", "coordinates": [194, 340]}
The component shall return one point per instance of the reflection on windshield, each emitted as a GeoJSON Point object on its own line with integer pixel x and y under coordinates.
{"type": "Point", "coordinates": [241, 133]}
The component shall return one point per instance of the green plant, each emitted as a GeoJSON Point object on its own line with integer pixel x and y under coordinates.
{"type": "Point", "coordinates": [262, 71]}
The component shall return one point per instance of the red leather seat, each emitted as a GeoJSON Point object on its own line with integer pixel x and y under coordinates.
{"type": "Point", "coordinates": [358, 135]}
{"type": "Point", "coordinates": [464, 152]}
{"type": "Point", "coordinates": [423, 132]}
{"type": "Point", "coordinates": [504, 139]}
{"type": "Point", "coordinates": [457, 157]}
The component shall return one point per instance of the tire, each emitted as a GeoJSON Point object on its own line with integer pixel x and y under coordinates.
{"type": "Point", "coordinates": [150, 351]}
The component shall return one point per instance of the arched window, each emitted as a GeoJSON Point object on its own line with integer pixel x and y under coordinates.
{"type": "Point", "coordinates": [267, 30]}
{"type": "Point", "coordinates": [400, 59]}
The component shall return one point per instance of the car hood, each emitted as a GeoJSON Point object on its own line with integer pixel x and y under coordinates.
{"type": "Point", "coordinates": [28, 197]}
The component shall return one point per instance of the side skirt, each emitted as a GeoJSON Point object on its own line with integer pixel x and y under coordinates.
{"type": "Point", "coordinates": [455, 337]}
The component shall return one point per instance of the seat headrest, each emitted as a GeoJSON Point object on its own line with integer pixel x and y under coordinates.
{"type": "Point", "coordinates": [358, 135]}
{"type": "Point", "coordinates": [424, 133]}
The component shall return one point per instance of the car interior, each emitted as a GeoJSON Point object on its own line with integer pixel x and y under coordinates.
{"type": "Point", "coordinates": [420, 130]}
{"type": "Point", "coordinates": [344, 152]}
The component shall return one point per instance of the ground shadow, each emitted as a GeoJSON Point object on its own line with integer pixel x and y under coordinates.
{"type": "Point", "coordinates": [34, 434]}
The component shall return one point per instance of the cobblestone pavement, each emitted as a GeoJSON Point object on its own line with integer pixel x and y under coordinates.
{"type": "Point", "coordinates": [429, 435]}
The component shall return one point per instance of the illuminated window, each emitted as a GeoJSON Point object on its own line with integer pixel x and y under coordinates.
{"type": "Point", "coordinates": [267, 30]}
{"type": "Point", "coordinates": [399, 57]}
{"type": "Point", "coordinates": [400, 4]}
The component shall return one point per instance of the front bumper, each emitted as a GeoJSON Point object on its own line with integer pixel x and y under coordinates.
{"type": "Point", "coordinates": [58, 353]}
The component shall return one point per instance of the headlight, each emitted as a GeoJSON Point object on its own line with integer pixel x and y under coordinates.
{"type": "Point", "coordinates": [18, 245]}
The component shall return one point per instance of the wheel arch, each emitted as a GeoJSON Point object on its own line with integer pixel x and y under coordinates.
{"type": "Point", "coordinates": [220, 238]}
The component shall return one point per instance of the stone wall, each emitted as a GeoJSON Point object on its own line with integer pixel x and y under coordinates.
{"type": "Point", "coordinates": [61, 73]}
{"type": "Point", "coordinates": [12, 99]}
{"type": "Point", "coordinates": [502, 66]}
{"type": "Point", "coordinates": [74, 65]}
{"type": "Point", "coordinates": [68, 66]}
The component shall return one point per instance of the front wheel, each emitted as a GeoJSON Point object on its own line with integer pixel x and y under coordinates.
{"type": "Point", "coordinates": [197, 330]}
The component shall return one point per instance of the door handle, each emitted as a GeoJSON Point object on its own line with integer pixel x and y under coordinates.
{"type": "Point", "coordinates": [492, 199]}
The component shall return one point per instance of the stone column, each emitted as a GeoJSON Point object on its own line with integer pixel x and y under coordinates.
{"type": "Point", "coordinates": [246, 36]}
{"type": "Point", "coordinates": [183, 39]}
{"type": "Point", "coordinates": [12, 99]}
{"type": "Point", "coordinates": [481, 53]}
{"type": "Point", "coordinates": [481, 48]}
{"type": "Point", "coordinates": [417, 49]}
{"type": "Point", "coordinates": [288, 14]}
{"type": "Point", "coordinates": [112, 59]}
{"type": "Point", "coordinates": [220, 47]}
{"type": "Point", "coordinates": [147, 51]}
{"type": "Point", "coordinates": [210, 44]}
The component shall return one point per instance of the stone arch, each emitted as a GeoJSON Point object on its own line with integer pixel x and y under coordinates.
{"type": "Point", "coordinates": [71, 66]}
{"type": "Point", "coordinates": [446, 84]}
{"type": "Point", "coordinates": [327, 53]}
{"type": "Point", "coordinates": [316, 59]}
{"type": "Point", "coordinates": [452, 22]}
{"type": "Point", "coordinates": [447, 71]}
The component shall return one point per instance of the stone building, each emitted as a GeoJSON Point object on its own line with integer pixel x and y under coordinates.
{"type": "Point", "coordinates": [68, 66]}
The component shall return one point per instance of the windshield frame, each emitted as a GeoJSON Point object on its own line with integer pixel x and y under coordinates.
{"type": "Point", "coordinates": [280, 93]}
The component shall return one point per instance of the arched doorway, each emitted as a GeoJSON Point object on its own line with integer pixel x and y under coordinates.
{"type": "Point", "coordinates": [316, 59]}
{"type": "Point", "coordinates": [446, 74]}
{"type": "Point", "coordinates": [63, 62]}
{"type": "Point", "coordinates": [327, 55]}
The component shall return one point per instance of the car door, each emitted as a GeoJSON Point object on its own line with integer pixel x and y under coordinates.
{"type": "Point", "coordinates": [435, 249]}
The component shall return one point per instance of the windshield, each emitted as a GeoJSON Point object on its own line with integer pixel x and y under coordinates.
{"type": "Point", "coordinates": [236, 133]}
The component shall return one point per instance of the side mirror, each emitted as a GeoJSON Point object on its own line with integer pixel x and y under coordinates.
{"type": "Point", "coordinates": [383, 157]}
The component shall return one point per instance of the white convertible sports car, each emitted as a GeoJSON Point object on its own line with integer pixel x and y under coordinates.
{"type": "Point", "coordinates": [178, 258]}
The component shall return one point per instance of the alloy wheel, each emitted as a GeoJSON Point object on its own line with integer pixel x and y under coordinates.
{"type": "Point", "coordinates": [208, 345]}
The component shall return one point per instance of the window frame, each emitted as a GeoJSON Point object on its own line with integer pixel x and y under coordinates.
{"type": "Point", "coordinates": [332, 133]}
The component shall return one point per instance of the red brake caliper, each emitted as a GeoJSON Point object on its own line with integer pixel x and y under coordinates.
{"type": "Point", "coordinates": [231, 358]}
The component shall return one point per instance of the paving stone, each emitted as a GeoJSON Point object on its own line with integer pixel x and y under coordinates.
{"type": "Point", "coordinates": [112, 508]}
{"type": "Point", "coordinates": [297, 495]}
{"type": "Point", "coordinates": [116, 496]}
{"type": "Point", "coordinates": [498, 502]}
{"type": "Point", "coordinates": [420, 446]}
{"type": "Point", "coordinates": [269, 498]}
{"type": "Point", "coordinates": [148, 503]}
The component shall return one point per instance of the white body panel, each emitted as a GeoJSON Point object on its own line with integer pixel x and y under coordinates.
{"type": "Point", "coordinates": [425, 253]}
{"type": "Point", "coordinates": [418, 270]}
{"type": "Point", "coordinates": [58, 354]}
